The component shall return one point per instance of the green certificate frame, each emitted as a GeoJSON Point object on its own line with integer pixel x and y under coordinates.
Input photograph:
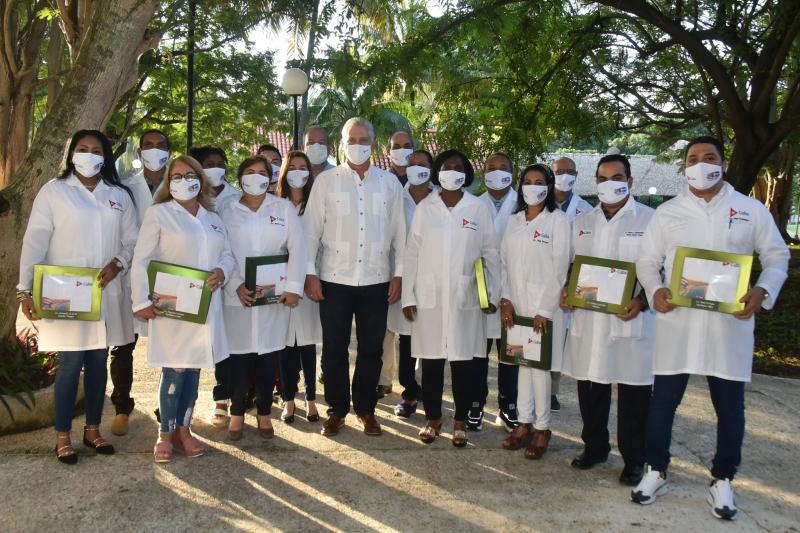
{"type": "Point", "coordinates": [546, 361]}
{"type": "Point", "coordinates": [251, 265]}
{"type": "Point", "coordinates": [185, 272]}
{"type": "Point", "coordinates": [596, 305]}
{"type": "Point", "coordinates": [480, 278]}
{"type": "Point", "coordinates": [39, 272]}
{"type": "Point", "coordinates": [679, 285]}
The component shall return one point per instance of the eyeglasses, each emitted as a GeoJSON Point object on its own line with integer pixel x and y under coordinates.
{"type": "Point", "coordinates": [561, 171]}
{"type": "Point", "coordinates": [187, 176]}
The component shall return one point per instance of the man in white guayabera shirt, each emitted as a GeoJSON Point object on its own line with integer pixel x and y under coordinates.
{"type": "Point", "coordinates": [356, 221]}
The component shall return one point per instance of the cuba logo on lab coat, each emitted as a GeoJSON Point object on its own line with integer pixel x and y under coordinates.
{"type": "Point", "coordinates": [277, 221]}
{"type": "Point", "coordinates": [116, 206]}
{"type": "Point", "coordinates": [543, 238]}
{"type": "Point", "coordinates": [469, 224]}
{"type": "Point", "coordinates": [216, 228]}
{"type": "Point", "coordinates": [738, 216]}
{"type": "Point", "coordinates": [584, 233]}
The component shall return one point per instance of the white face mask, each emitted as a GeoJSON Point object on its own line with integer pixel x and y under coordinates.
{"type": "Point", "coordinates": [154, 159]}
{"type": "Point", "coordinates": [317, 153]}
{"type": "Point", "coordinates": [297, 178]}
{"type": "Point", "coordinates": [451, 180]}
{"type": "Point", "coordinates": [703, 176]}
{"type": "Point", "coordinates": [534, 194]}
{"type": "Point", "coordinates": [418, 175]}
{"type": "Point", "coordinates": [498, 179]}
{"type": "Point", "coordinates": [276, 174]}
{"type": "Point", "coordinates": [612, 192]}
{"type": "Point", "coordinates": [88, 165]}
{"type": "Point", "coordinates": [255, 184]}
{"type": "Point", "coordinates": [214, 175]}
{"type": "Point", "coordinates": [184, 189]}
{"type": "Point", "coordinates": [565, 182]}
{"type": "Point", "coordinates": [358, 153]}
{"type": "Point", "coordinates": [400, 156]}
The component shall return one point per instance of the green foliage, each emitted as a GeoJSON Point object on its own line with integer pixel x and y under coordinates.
{"type": "Point", "coordinates": [22, 374]}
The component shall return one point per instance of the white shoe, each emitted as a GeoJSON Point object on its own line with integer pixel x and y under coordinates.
{"type": "Point", "coordinates": [720, 496]}
{"type": "Point", "coordinates": [652, 485]}
{"type": "Point", "coordinates": [219, 417]}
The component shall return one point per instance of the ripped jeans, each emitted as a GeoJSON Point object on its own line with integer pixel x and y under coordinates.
{"type": "Point", "coordinates": [176, 397]}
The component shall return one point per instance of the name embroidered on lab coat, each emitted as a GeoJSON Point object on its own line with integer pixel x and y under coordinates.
{"type": "Point", "coordinates": [584, 233]}
{"type": "Point", "coordinates": [634, 233]}
{"type": "Point", "coordinates": [736, 217]}
{"type": "Point", "coordinates": [469, 224]}
{"type": "Point", "coordinates": [543, 238]}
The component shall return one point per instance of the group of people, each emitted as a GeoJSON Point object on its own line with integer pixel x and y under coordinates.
{"type": "Point", "coordinates": [395, 252]}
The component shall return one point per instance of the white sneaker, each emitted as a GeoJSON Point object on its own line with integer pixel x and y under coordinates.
{"type": "Point", "coordinates": [720, 496]}
{"type": "Point", "coordinates": [652, 485]}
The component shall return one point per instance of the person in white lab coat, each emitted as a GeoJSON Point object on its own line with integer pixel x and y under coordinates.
{"type": "Point", "coordinates": [153, 153]}
{"type": "Point", "coordinates": [401, 145]}
{"type": "Point", "coordinates": [603, 349]}
{"type": "Point", "coordinates": [501, 199]}
{"type": "Point", "coordinates": [315, 146]}
{"type": "Point", "coordinates": [273, 157]}
{"type": "Point", "coordinates": [450, 231]}
{"type": "Point", "coordinates": [416, 189]}
{"type": "Point", "coordinates": [258, 225]}
{"type": "Point", "coordinates": [215, 165]}
{"type": "Point", "coordinates": [566, 173]}
{"type": "Point", "coordinates": [534, 260]}
{"type": "Point", "coordinates": [83, 218]}
{"type": "Point", "coordinates": [708, 214]}
{"type": "Point", "coordinates": [305, 330]}
{"type": "Point", "coordinates": [182, 228]}
{"type": "Point", "coordinates": [355, 222]}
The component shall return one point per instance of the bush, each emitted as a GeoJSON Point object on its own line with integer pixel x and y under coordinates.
{"type": "Point", "coordinates": [23, 370]}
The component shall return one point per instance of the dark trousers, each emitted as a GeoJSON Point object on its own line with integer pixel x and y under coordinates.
{"type": "Point", "coordinates": [291, 360]}
{"type": "Point", "coordinates": [121, 370]}
{"type": "Point", "coordinates": [407, 371]}
{"type": "Point", "coordinates": [222, 381]}
{"type": "Point", "coordinates": [370, 306]}
{"type": "Point", "coordinates": [463, 379]}
{"type": "Point", "coordinates": [728, 399]}
{"type": "Point", "coordinates": [506, 381]}
{"type": "Point", "coordinates": [594, 400]}
{"type": "Point", "coordinates": [248, 368]}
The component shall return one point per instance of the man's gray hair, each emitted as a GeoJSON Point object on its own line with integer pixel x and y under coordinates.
{"type": "Point", "coordinates": [358, 121]}
{"type": "Point", "coordinates": [315, 127]}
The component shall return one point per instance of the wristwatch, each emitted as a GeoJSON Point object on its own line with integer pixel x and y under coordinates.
{"type": "Point", "coordinates": [118, 263]}
{"type": "Point", "coordinates": [23, 295]}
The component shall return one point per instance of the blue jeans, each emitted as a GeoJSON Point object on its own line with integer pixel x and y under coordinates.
{"type": "Point", "coordinates": [728, 399]}
{"type": "Point", "coordinates": [68, 375]}
{"type": "Point", "coordinates": [177, 394]}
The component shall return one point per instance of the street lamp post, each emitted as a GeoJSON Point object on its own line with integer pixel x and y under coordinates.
{"type": "Point", "coordinates": [295, 83]}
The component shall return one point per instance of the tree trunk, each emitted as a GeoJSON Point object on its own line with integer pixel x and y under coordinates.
{"type": "Point", "coordinates": [774, 185]}
{"type": "Point", "coordinates": [312, 43]}
{"type": "Point", "coordinates": [104, 69]}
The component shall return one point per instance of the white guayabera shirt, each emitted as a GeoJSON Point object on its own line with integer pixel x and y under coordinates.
{"type": "Point", "coordinates": [357, 224]}
{"type": "Point", "coordinates": [71, 226]}
{"type": "Point", "coordinates": [694, 341]}
{"type": "Point", "coordinates": [304, 325]}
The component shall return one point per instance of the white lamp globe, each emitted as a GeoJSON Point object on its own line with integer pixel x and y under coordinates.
{"type": "Point", "coordinates": [295, 82]}
{"type": "Point", "coordinates": [652, 190]}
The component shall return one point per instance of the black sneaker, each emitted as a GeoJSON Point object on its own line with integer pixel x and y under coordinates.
{"type": "Point", "coordinates": [475, 419]}
{"type": "Point", "coordinates": [508, 419]}
{"type": "Point", "coordinates": [555, 405]}
{"type": "Point", "coordinates": [383, 390]}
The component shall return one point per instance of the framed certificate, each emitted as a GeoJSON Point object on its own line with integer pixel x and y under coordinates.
{"type": "Point", "coordinates": [266, 277]}
{"type": "Point", "coordinates": [521, 345]}
{"type": "Point", "coordinates": [483, 288]}
{"type": "Point", "coordinates": [70, 293]}
{"type": "Point", "coordinates": [179, 292]}
{"type": "Point", "coordinates": [599, 284]}
{"type": "Point", "coordinates": [705, 279]}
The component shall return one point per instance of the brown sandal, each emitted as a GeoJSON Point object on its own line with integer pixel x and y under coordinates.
{"type": "Point", "coordinates": [430, 431]}
{"type": "Point", "coordinates": [519, 438]}
{"type": "Point", "coordinates": [541, 438]}
{"type": "Point", "coordinates": [162, 451]}
{"type": "Point", "coordinates": [265, 433]}
{"type": "Point", "coordinates": [459, 439]}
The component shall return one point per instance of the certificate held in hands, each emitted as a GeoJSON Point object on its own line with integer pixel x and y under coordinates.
{"type": "Point", "coordinates": [179, 292]}
{"type": "Point", "coordinates": [70, 293]}
{"type": "Point", "coordinates": [705, 279]}
{"type": "Point", "coordinates": [266, 277]}
{"type": "Point", "coordinates": [599, 284]}
{"type": "Point", "coordinates": [522, 345]}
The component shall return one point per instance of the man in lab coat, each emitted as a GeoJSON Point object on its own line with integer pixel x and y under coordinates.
{"type": "Point", "coordinates": [602, 348]}
{"type": "Point", "coordinates": [707, 214]}
{"type": "Point", "coordinates": [153, 152]}
{"type": "Point", "coordinates": [356, 221]}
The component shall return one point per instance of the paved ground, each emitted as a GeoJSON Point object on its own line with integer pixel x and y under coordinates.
{"type": "Point", "coordinates": [301, 481]}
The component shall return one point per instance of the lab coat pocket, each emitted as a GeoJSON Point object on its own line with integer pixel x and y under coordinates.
{"type": "Point", "coordinates": [341, 203]}
{"type": "Point", "coordinates": [632, 329]}
{"type": "Point", "coordinates": [629, 248]}
{"type": "Point", "coordinates": [468, 293]}
{"type": "Point", "coordinates": [425, 291]}
{"type": "Point", "coordinates": [740, 236]}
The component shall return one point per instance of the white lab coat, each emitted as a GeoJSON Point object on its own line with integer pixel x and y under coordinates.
{"type": "Point", "coordinates": [171, 234]}
{"type": "Point", "coordinates": [577, 206]}
{"type": "Point", "coordinates": [70, 226]}
{"type": "Point", "coordinates": [500, 218]}
{"type": "Point", "coordinates": [274, 229]}
{"type": "Point", "coordinates": [396, 322]}
{"type": "Point", "coordinates": [357, 224]}
{"type": "Point", "coordinates": [228, 195]}
{"type": "Point", "coordinates": [534, 260]}
{"type": "Point", "coordinates": [439, 277]}
{"type": "Point", "coordinates": [601, 347]}
{"type": "Point", "coordinates": [694, 341]}
{"type": "Point", "coordinates": [304, 324]}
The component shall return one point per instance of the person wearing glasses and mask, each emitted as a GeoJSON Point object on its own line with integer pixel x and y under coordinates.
{"type": "Point", "coordinates": [315, 145]}
{"type": "Point", "coordinates": [182, 228]}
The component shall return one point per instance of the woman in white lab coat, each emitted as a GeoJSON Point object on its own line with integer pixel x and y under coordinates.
{"type": "Point", "coordinates": [305, 329]}
{"type": "Point", "coordinates": [450, 230]}
{"type": "Point", "coordinates": [182, 228]}
{"type": "Point", "coordinates": [534, 259]}
{"type": "Point", "coordinates": [83, 218]}
{"type": "Point", "coordinates": [259, 225]}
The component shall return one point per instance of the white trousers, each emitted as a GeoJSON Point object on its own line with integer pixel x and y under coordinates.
{"type": "Point", "coordinates": [533, 397]}
{"type": "Point", "coordinates": [387, 370]}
